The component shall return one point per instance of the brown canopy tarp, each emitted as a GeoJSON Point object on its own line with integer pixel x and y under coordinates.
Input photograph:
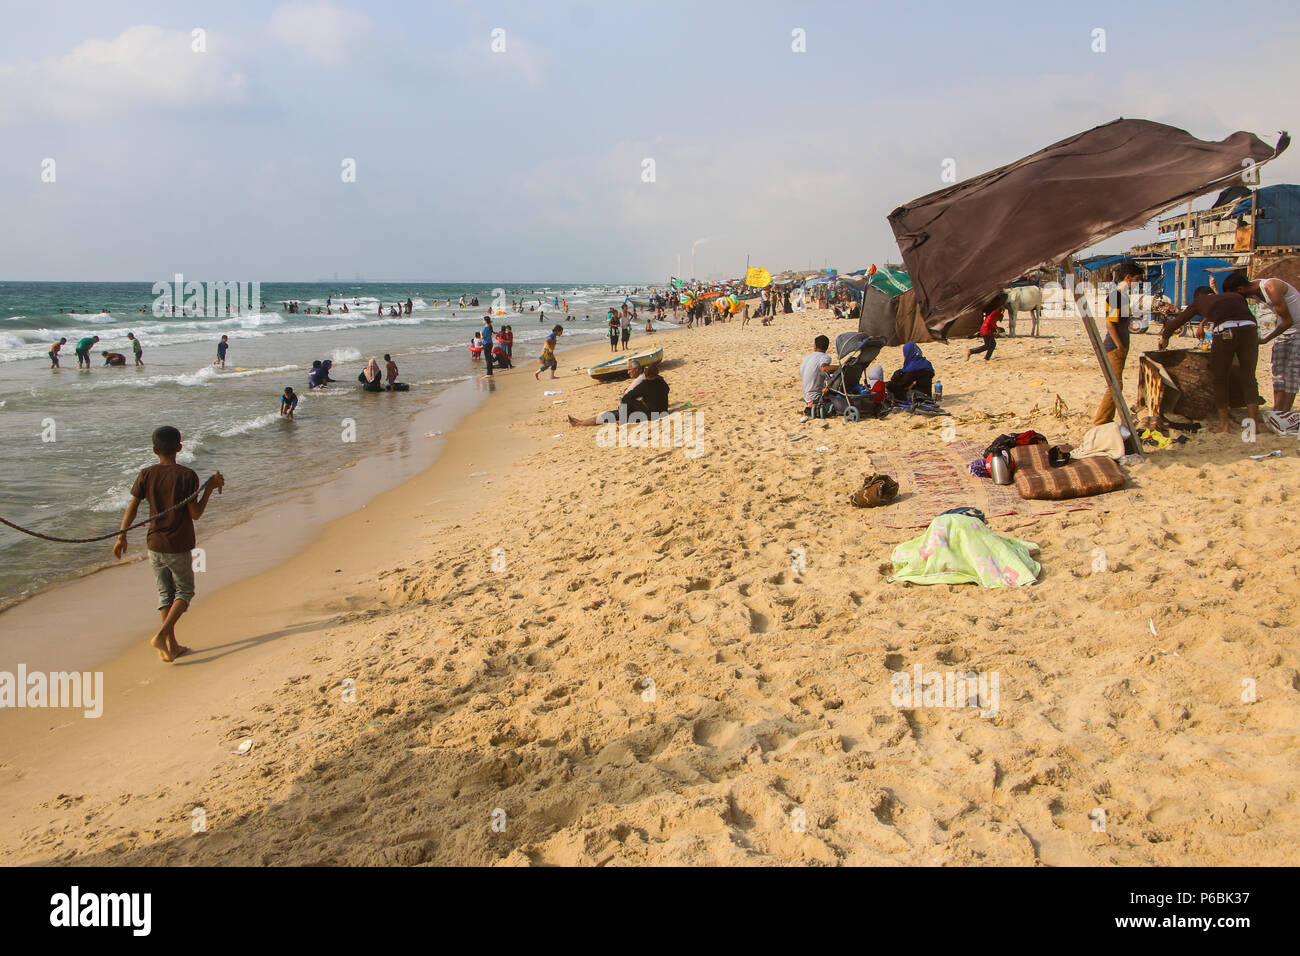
{"type": "Point", "coordinates": [963, 243]}
{"type": "Point", "coordinates": [899, 319]}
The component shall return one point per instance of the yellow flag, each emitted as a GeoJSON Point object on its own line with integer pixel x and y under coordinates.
{"type": "Point", "coordinates": [758, 278]}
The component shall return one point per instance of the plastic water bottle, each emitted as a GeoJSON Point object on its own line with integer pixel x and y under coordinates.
{"type": "Point", "coordinates": [1209, 338]}
{"type": "Point", "coordinates": [938, 391]}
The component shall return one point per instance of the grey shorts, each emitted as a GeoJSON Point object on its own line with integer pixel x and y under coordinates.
{"type": "Point", "coordinates": [548, 363]}
{"type": "Point", "coordinates": [1286, 363]}
{"type": "Point", "coordinates": [174, 576]}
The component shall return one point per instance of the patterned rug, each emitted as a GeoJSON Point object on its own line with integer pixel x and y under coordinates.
{"type": "Point", "coordinates": [933, 480]}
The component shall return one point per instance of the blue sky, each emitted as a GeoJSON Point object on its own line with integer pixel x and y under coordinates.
{"type": "Point", "coordinates": [528, 164]}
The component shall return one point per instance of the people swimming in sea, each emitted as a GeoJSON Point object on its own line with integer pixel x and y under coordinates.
{"type": "Point", "coordinates": [316, 375]}
{"type": "Point", "coordinates": [288, 402]}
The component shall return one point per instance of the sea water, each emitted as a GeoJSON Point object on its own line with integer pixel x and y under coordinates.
{"type": "Point", "coordinates": [72, 442]}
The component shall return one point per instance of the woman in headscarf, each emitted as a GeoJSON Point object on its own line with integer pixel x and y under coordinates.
{"type": "Point", "coordinates": [371, 377]}
{"type": "Point", "coordinates": [917, 374]}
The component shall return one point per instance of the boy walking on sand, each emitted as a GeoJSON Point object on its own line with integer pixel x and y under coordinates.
{"type": "Point", "coordinates": [171, 535]}
{"type": "Point", "coordinates": [548, 353]}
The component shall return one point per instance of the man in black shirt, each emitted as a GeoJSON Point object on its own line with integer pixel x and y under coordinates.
{"type": "Point", "coordinates": [1118, 313]}
{"type": "Point", "coordinates": [648, 397]}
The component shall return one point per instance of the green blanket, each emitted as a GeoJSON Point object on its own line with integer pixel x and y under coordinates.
{"type": "Point", "coordinates": [960, 549]}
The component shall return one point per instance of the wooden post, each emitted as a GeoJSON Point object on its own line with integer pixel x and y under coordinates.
{"type": "Point", "coordinates": [1253, 193]}
{"type": "Point", "coordinates": [1116, 392]}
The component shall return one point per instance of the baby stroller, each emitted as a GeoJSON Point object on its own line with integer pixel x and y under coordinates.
{"type": "Point", "coordinates": [856, 351]}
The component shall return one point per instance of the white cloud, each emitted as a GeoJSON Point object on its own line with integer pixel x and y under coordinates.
{"type": "Point", "coordinates": [143, 67]}
{"type": "Point", "coordinates": [322, 30]}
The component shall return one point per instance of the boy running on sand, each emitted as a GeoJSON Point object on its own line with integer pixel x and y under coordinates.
{"type": "Point", "coordinates": [548, 353]}
{"type": "Point", "coordinates": [171, 535]}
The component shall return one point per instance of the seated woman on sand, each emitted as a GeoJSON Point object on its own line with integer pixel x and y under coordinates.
{"type": "Point", "coordinates": [371, 378]}
{"type": "Point", "coordinates": [648, 396]}
{"type": "Point", "coordinates": [916, 374]}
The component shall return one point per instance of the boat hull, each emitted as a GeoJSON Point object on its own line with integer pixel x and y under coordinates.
{"type": "Point", "coordinates": [616, 368]}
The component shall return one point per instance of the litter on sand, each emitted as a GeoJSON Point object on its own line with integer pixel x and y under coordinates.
{"type": "Point", "coordinates": [244, 747]}
{"type": "Point", "coordinates": [559, 392]}
{"type": "Point", "coordinates": [1277, 453]}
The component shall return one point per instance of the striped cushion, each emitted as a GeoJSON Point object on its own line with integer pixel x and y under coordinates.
{"type": "Point", "coordinates": [1029, 456]}
{"type": "Point", "coordinates": [1094, 475]}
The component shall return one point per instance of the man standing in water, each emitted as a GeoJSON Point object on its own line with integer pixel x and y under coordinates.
{"type": "Point", "coordinates": [171, 535]}
{"type": "Point", "coordinates": [83, 350]}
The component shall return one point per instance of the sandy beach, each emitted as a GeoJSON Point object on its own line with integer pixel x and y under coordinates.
{"type": "Point", "coordinates": [565, 653]}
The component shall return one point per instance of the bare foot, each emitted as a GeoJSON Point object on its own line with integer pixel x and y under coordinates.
{"type": "Point", "coordinates": [572, 420]}
{"type": "Point", "coordinates": [968, 355]}
{"type": "Point", "coordinates": [180, 650]}
{"type": "Point", "coordinates": [160, 643]}
{"type": "Point", "coordinates": [1220, 429]}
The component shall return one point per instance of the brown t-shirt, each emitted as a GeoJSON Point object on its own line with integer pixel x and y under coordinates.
{"type": "Point", "coordinates": [163, 486]}
{"type": "Point", "coordinates": [1218, 308]}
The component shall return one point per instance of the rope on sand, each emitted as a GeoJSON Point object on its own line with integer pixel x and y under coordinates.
{"type": "Point", "coordinates": [102, 537]}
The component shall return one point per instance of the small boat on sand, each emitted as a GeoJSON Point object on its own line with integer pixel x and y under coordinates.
{"type": "Point", "coordinates": [617, 367]}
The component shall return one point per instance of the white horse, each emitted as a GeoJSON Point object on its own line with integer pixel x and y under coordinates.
{"type": "Point", "coordinates": [1024, 298]}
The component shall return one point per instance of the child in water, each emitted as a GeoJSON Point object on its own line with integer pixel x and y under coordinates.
{"type": "Point", "coordinates": [288, 402]}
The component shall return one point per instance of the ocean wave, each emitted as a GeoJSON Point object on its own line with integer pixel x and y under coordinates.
{"type": "Point", "coordinates": [116, 498]}
{"type": "Point", "coordinates": [339, 356]}
{"type": "Point", "coordinates": [261, 421]}
{"type": "Point", "coordinates": [210, 373]}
